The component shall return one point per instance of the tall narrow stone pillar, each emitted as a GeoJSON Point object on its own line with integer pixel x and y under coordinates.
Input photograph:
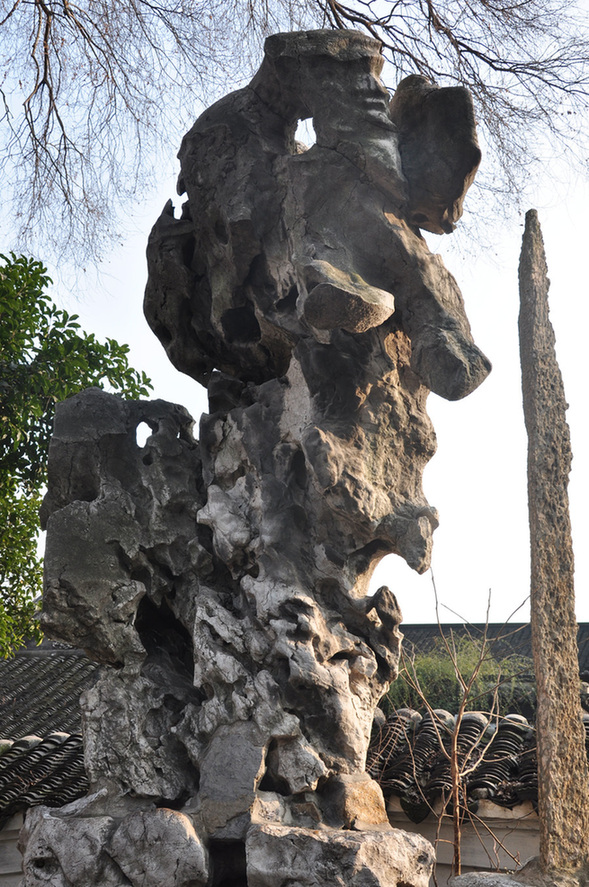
{"type": "Point", "coordinates": [562, 763]}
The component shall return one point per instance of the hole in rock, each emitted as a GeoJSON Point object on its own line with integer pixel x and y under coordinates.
{"type": "Point", "coordinates": [228, 864]}
{"type": "Point", "coordinates": [367, 558]}
{"type": "Point", "coordinates": [344, 656]}
{"type": "Point", "coordinates": [176, 803]}
{"type": "Point", "coordinates": [305, 133]}
{"type": "Point", "coordinates": [164, 637]}
{"type": "Point", "coordinates": [143, 575]}
{"type": "Point", "coordinates": [299, 469]}
{"type": "Point", "coordinates": [240, 325]}
{"type": "Point", "coordinates": [393, 570]}
{"type": "Point", "coordinates": [289, 302]}
{"type": "Point", "coordinates": [270, 781]}
{"type": "Point", "coordinates": [46, 866]}
{"type": "Point", "coordinates": [221, 232]}
{"type": "Point", "coordinates": [142, 432]}
{"type": "Point", "coordinates": [253, 570]}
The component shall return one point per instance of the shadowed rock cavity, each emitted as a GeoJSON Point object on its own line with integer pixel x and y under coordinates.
{"type": "Point", "coordinates": [223, 581]}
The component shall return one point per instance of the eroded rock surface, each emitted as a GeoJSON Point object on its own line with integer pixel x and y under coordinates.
{"type": "Point", "coordinates": [278, 856]}
{"type": "Point", "coordinates": [278, 243]}
{"type": "Point", "coordinates": [563, 784]}
{"type": "Point", "coordinates": [223, 581]}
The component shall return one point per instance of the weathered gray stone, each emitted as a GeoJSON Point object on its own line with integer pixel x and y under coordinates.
{"type": "Point", "coordinates": [354, 801]}
{"type": "Point", "coordinates": [276, 242]}
{"type": "Point", "coordinates": [296, 764]}
{"type": "Point", "coordinates": [109, 503]}
{"type": "Point", "coordinates": [160, 847]}
{"type": "Point", "coordinates": [563, 773]}
{"type": "Point", "coordinates": [65, 851]}
{"type": "Point", "coordinates": [278, 856]}
{"type": "Point", "coordinates": [223, 582]}
{"type": "Point", "coordinates": [136, 712]}
{"type": "Point", "coordinates": [232, 767]}
{"type": "Point", "coordinates": [439, 150]}
{"type": "Point", "coordinates": [147, 848]}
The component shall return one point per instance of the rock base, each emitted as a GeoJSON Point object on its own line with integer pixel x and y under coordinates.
{"type": "Point", "coordinates": [161, 846]}
{"type": "Point", "coordinates": [277, 856]}
{"type": "Point", "coordinates": [531, 875]}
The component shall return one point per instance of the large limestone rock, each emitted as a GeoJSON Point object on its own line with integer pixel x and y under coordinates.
{"type": "Point", "coordinates": [148, 848]}
{"type": "Point", "coordinates": [222, 582]}
{"type": "Point", "coordinates": [278, 856]}
{"type": "Point", "coordinates": [278, 243]}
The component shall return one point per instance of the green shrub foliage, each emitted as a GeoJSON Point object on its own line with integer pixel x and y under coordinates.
{"type": "Point", "coordinates": [502, 685]}
{"type": "Point", "coordinates": [44, 357]}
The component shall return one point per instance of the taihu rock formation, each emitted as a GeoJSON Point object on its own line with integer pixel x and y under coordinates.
{"type": "Point", "coordinates": [223, 582]}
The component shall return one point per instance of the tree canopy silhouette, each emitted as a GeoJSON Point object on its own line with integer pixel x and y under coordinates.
{"type": "Point", "coordinates": [91, 93]}
{"type": "Point", "coordinates": [44, 357]}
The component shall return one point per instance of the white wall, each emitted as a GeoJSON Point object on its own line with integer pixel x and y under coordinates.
{"type": "Point", "coordinates": [10, 858]}
{"type": "Point", "coordinates": [487, 845]}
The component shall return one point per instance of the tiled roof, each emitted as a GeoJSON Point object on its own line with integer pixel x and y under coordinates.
{"type": "Point", "coordinates": [40, 691]}
{"type": "Point", "coordinates": [35, 771]}
{"type": "Point", "coordinates": [408, 757]}
{"type": "Point", "coordinates": [41, 754]}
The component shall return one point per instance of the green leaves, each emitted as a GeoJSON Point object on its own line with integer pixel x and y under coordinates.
{"type": "Point", "coordinates": [439, 676]}
{"type": "Point", "coordinates": [45, 357]}
{"type": "Point", "coordinates": [21, 570]}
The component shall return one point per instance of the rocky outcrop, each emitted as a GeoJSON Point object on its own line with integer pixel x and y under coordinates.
{"type": "Point", "coordinates": [223, 582]}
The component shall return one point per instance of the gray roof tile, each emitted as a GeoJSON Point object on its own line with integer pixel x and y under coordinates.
{"type": "Point", "coordinates": [408, 757]}
{"type": "Point", "coordinates": [41, 751]}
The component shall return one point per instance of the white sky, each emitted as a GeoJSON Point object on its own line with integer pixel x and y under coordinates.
{"type": "Point", "coordinates": [477, 479]}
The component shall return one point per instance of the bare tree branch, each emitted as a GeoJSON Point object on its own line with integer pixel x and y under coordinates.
{"type": "Point", "coordinates": [94, 94]}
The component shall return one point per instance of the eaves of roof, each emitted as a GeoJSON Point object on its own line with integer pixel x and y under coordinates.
{"type": "Point", "coordinates": [409, 758]}
{"type": "Point", "coordinates": [35, 770]}
{"type": "Point", "coordinates": [41, 751]}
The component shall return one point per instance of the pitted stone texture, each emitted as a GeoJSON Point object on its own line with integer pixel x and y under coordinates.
{"type": "Point", "coordinates": [563, 784]}
{"type": "Point", "coordinates": [145, 849]}
{"type": "Point", "coordinates": [231, 630]}
{"type": "Point", "coordinates": [137, 715]}
{"type": "Point", "coordinates": [160, 847]}
{"type": "Point", "coordinates": [119, 518]}
{"type": "Point", "coordinates": [67, 851]}
{"type": "Point", "coordinates": [278, 244]}
{"type": "Point", "coordinates": [279, 856]}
